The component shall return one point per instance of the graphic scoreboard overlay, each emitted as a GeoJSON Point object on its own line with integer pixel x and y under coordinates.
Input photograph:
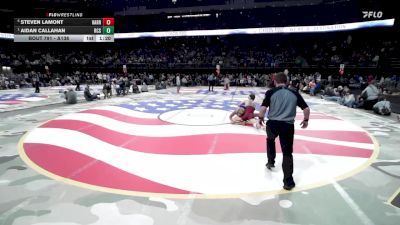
{"type": "Point", "coordinates": [183, 148]}
{"type": "Point", "coordinates": [64, 29]}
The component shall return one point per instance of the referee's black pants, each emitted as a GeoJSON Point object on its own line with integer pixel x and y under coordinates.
{"type": "Point", "coordinates": [285, 131]}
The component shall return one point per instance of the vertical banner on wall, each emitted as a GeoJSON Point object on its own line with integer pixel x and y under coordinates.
{"type": "Point", "coordinates": [341, 69]}
{"type": "Point", "coordinates": [47, 69]}
{"type": "Point", "coordinates": [124, 69]}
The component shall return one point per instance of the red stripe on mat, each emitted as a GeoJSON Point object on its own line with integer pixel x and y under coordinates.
{"type": "Point", "coordinates": [201, 144]}
{"type": "Point", "coordinates": [76, 166]}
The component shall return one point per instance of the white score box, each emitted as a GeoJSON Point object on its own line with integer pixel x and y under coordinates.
{"type": "Point", "coordinates": [104, 38]}
{"type": "Point", "coordinates": [89, 38]}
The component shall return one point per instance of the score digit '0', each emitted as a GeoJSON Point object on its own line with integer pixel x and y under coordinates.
{"type": "Point", "coordinates": [108, 21]}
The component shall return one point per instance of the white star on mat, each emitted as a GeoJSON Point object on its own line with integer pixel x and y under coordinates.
{"type": "Point", "coordinates": [140, 109]}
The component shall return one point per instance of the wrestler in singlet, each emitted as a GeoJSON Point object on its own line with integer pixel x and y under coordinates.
{"type": "Point", "coordinates": [248, 113]}
{"type": "Point", "coordinates": [249, 108]}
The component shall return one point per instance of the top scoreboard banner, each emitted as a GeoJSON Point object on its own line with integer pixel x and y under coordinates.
{"type": "Point", "coordinates": [63, 22]}
{"type": "Point", "coordinates": [64, 29]}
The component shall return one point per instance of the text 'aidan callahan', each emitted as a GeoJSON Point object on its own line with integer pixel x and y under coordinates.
{"type": "Point", "coordinates": [42, 30]}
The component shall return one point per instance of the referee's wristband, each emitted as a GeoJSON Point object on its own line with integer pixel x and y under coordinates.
{"type": "Point", "coordinates": [305, 120]}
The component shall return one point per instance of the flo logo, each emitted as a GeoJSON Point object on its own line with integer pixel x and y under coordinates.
{"type": "Point", "coordinates": [372, 14]}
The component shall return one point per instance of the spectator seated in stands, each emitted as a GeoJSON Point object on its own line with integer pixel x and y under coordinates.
{"type": "Point", "coordinates": [144, 87]}
{"type": "Point", "coordinates": [312, 87]}
{"type": "Point", "coordinates": [184, 81]}
{"type": "Point", "coordinates": [382, 108]}
{"type": "Point", "coordinates": [369, 96]}
{"type": "Point", "coordinates": [121, 87]}
{"type": "Point", "coordinates": [70, 96]}
{"type": "Point", "coordinates": [135, 88]}
{"type": "Point", "coordinates": [386, 91]}
{"type": "Point", "coordinates": [328, 91]}
{"type": "Point", "coordinates": [107, 90]}
{"type": "Point", "coordinates": [348, 99]}
{"type": "Point", "coordinates": [89, 96]}
{"type": "Point", "coordinates": [305, 88]}
{"type": "Point", "coordinates": [295, 85]}
{"type": "Point", "coordinates": [160, 85]}
{"type": "Point", "coordinates": [157, 85]}
{"type": "Point", "coordinates": [333, 94]}
{"type": "Point", "coordinates": [163, 85]}
{"type": "Point", "coordinates": [317, 87]}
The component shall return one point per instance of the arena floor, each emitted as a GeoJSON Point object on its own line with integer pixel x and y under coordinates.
{"type": "Point", "coordinates": [166, 158]}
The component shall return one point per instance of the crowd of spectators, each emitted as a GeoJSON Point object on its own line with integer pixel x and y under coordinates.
{"type": "Point", "coordinates": [36, 66]}
{"type": "Point", "coordinates": [230, 52]}
{"type": "Point", "coordinates": [367, 92]}
{"type": "Point", "coordinates": [343, 89]}
{"type": "Point", "coordinates": [28, 80]}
